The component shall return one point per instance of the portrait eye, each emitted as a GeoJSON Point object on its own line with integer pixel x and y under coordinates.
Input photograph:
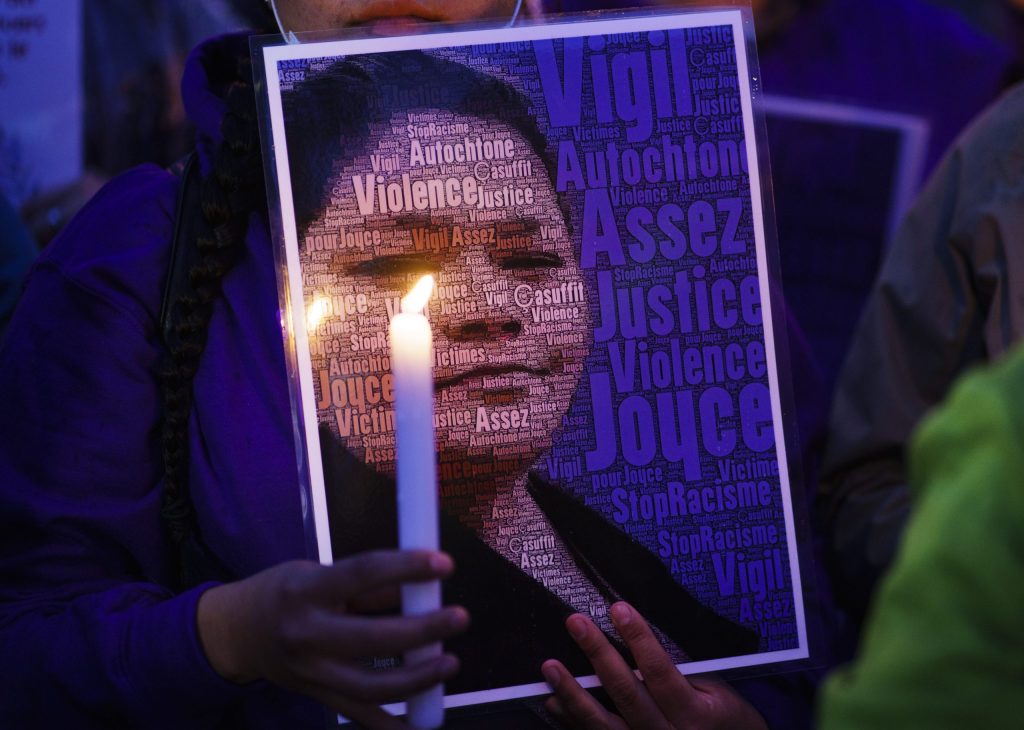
{"type": "Point", "coordinates": [526, 261]}
{"type": "Point", "coordinates": [391, 266]}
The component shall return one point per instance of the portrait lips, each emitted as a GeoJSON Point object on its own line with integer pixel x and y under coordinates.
{"type": "Point", "coordinates": [489, 371]}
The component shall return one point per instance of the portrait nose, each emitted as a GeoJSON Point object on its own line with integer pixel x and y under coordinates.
{"type": "Point", "coordinates": [488, 314]}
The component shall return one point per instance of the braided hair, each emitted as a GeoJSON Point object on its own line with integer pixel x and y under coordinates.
{"type": "Point", "coordinates": [229, 194]}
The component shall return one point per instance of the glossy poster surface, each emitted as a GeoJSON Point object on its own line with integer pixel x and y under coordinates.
{"type": "Point", "coordinates": [606, 396]}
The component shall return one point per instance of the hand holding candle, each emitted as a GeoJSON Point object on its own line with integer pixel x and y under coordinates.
{"type": "Point", "coordinates": [411, 366]}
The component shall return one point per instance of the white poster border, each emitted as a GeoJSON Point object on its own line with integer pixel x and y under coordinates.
{"type": "Point", "coordinates": [274, 54]}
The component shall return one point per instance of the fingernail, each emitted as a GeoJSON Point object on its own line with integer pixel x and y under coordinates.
{"type": "Point", "coordinates": [621, 614]}
{"type": "Point", "coordinates": [440, 563]}
{"type": "Point", "coordinates": [577, 627]}
{"type": "Point", "coordinates": [551, 675]}
{"type": "Point", "coordinates": [458, 618]}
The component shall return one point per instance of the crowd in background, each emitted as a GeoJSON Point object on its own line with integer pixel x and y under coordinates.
{"type": "Point", "coordinates": [134, 53]}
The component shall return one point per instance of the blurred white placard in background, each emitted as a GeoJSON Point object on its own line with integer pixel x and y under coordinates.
{"type": "Point", "coordinates": [40, 96]}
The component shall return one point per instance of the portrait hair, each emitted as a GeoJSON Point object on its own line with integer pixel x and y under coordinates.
{"type": "Point", "coordinates": [329, 116]}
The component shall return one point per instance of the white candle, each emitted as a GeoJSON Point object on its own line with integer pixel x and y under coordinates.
{"type": "Point", "coordinates": [416, 467]}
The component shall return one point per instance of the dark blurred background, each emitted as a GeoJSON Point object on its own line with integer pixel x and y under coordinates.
{"type": "Point", "coordinates": [863, 97]}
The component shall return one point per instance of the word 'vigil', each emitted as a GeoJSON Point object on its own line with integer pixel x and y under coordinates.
{"type": "Point", "coordinates": [622, 85]}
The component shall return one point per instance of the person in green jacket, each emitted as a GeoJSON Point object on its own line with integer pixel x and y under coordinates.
{"type": "Point", "coordinates": [944, 646]}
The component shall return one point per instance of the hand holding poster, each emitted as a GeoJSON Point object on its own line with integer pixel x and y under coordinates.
{"type": "Point", "coordinates": [606, 393]}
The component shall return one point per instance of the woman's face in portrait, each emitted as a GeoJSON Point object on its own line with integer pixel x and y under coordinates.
{"type": "Point", "coordinates": [385, 15]}
{"type": "Point", "coordinates": [469, 201]}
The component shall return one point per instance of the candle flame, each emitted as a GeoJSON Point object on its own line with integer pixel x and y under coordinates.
{"type": "Point", "coordinates": [316, 312]}
{"type": "Point", "coordinates": [416, 299]}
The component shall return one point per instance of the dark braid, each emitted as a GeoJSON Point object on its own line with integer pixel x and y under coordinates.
{"type": "Point", "coordinates": [229, 194]}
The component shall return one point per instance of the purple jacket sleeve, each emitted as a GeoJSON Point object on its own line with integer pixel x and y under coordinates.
{"type": "Point", "coordinates": [88, 636]}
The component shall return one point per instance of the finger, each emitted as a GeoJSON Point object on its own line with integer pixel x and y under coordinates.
{"type": "Point", "coordinates": [375, 602]}
{"type": "Point", "coordinates": [351, 636]}
{"type": "Point", "coordinates": [574, 704]}
{"type": "Point", "coordinates": [672, 692]}
{"type": "Point", "coordinates": [364, 684]}
{"type": "Point", "coordinates": [379, 569]}
{"type": "Point", "coordinates": [627, 692]}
